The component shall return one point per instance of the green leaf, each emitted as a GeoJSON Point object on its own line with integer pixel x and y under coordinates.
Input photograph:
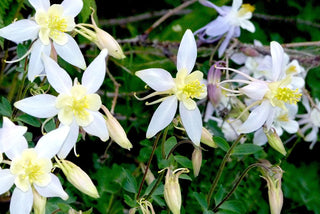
{"type": "Point", "coordinates": [86, 11]}
{"type": "Point", "coordinates": [5, 107]}
{"type": "Point", "coordinates": [233, 206]}
{"type": "Point", "coordinates": [130, 183]}
{"type": "Point", "coordinates": [201, 199]}
{"type": "Point", "coordinates": [246, 149]}
{"type": "Point", "coordinates": [129, 201]}
{"type": "Point", "coordinates": [222, 143]}
{"type": "Point", "coordinates": [29, 120]}
{"type": "Point", "coordinates": [50, 125]}
{"type": "Point", "coordinates": [184, 161]}
{"type": "Point", "coordinates": [169, 144]}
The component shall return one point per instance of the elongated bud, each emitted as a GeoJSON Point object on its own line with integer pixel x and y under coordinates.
{"type": "Point", "coordinates": [172, 192]}
{"type": "Point", "coordinates": [206, 138]}
{"type": "Point", "coordinates": [116, 131]}
{"type": "Point", "coordinates": [214, 91]}
{"type": "Point", "coordinates": [196, 160]}
{"type": "Point", "coordinates": [39, 203]}
{"type": "Point", "coordinates": [149, 177]}
{"type": "Point", "coordinates": [78, 178]}
{"type": "Point", "coordinates": [274, 141]}
{"type": "Point", "coordinates": [73, 211]}
{"type": "Point", "coordinates": [105, 40]}
{"type": "Point", "coordinates": [146, 206]}
{"type": "Point", "coordinates": [273, 175]}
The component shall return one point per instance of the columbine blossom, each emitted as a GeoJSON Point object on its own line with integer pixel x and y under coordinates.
{"type": "Point", "coordinates": [183, 88]}
{"type": "Point", "coordinates": [48, 26]}
{"type": "Point", "coordinates": [76, 105]}
{"type": "Point", "coordinates": [228, 23]}
{"type": "Point", "coordinates": [30, 170]}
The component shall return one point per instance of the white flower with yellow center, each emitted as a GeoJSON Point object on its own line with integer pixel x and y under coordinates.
{"type": "Point", "coordinates": [184, 88]}
{"type": "Point", "coordinates": [50, 25]}
{"type": "Point", "coordinates": [77, 105]}
{"type": "Point", "coordinates": [30, 169]}
{"type": "Point", "coordinates": [228, 22]}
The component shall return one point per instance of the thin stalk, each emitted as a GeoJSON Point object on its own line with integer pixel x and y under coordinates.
{"type": "Point", "coordinates": [220, 170]}
{"type": "Point", "coordinates": [164, 137]}
{"type": "Point", "coordinates": [148, 164]}
{"type": "Point", "coordinates": [155, 185]}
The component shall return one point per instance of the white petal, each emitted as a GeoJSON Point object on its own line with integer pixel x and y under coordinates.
{"type": "Point", "coordinates": [245, 24]}
{"type": "Point", "coordinates": [72, 7]}
{"type": "Point", "coordinates": [40, 4]}
{"type": "Point", "coordinates": [157, 78]}
{"type": "Point", "coordinates": [42, 105]}
{"type": "Point", "coordinates": [291, 126]}
{"type": "Point", "coordinates": [255, 90]}
{"type": "Point", "coordinates": [236, 4]}
{"type": "Point", "coordinates": [209, 4]}
{"type": "Point", "coordinates": [93, 76]}
{"type": "Point", "coordinates": [313, 135]}
{"type": "Point", "coordinates": [277, 60]}
{"type": "Point", "coordinates": [163, 116]}
{"type": "Point", "coordinates": [187, 52]}
{"type": "Point", "coordinates": [71, 53]}
{"type": "Point", "coordinates": [260, 137]}
{"type": "Point", "coordinates": [20, 31]}
{"type": "Point", "coordinates": [256, 118]}
{"type": "Point", "coordinates": [57, 77]}
{"type": "Point", "coordinates": [15, 151]}
{"type": "Point", "coordinates": [6, 180]}
{"type": "Point", "coordinates": [218, 27]}
{"type": "Point", "coordinates": [70, 141]}
{"type": "Point", "coordinates": [98, 127]}
{"type": "Point", "coordinates": [21, 202]}
{"type": "Point", "coordinates": [192, 123]}
{"type": "Point", "coordinates": [226, 41]}
{"type": "Point", "coordinates": [53, 189]}
{"type": "Point", "coordinates": [49, 144]}
{"type": "Point", "coordinates": [36, 65]}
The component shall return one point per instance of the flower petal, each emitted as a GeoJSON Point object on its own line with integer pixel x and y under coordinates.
{"type": "Point", "coordinates": [49, 144]}
{"type": "Point", "coordinates": [192, 122]}
{"type": "Point", "coordinates": [57, 77]}
{"type": "Point", "coordinates": [42, 105]}
{"type": "Point", "coordinates": [277, 54]}
{"type": "Point", "coordinates": [236, 4]}
{"type": "Point", "coordinates": [40, 4]}
{"type": "Point", "coordinates": [15, 151]}
{"type": "Point", "coordinates": [98, 127]}
{"type": "Point", "coordinates": [218, 27]}
{"type": "Point", "coordinates": [71, 52]}
{"type": "Point", "coordinates": [226, 41]}
{"type": "Point", "coordinates": [20, 31]}
{"type": "Point", "coordinates": [209, 4]}
{"type": "Point", "coordinates": [21, 202]}
{"type": "Point", "coordinates": [72, 7]}
{"type": "Point", "coordinates": [187, 52]}
{"type": "Point", "coordinates": [53, 189]}
{"type": "Point", "coordinates": [70, 140]}
{"type": "Point", "coordinates": [36, 65]}
{"type": "Point", "coordinates": [256, 118]}
{"type": "Point", "coordinates": [163, 116]}
{"type": "Point", "coordinates": [260, 137]}
{"type": "Point", "coordinates": [6, 180]}
{"type": "Point", "coordinates": [93, 76]}
{"type": "Point", "coordinates": [245, 24]}
{"type": "Point", "coordinates": [255, 90]}
{"type": "Point", "coordinates": [157, 78]}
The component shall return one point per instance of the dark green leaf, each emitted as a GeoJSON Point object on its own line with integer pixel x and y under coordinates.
{"type": "Point", "coordinates": [169, 144]}
{"type": "Point", "coordinates": [5, 107]}
{"type": "Point", "coordinates": [222, 143]}
{"type": "Point", "coordinates": [201, 199]}
{"type": "Point", "coordinates": [29, 120]}
{"type": "Point", "coordinates": [246, 149]}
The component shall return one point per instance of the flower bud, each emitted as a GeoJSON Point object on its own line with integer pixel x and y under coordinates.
{"type": "Point", "coordinates": [275, 141]}
{"type": "Point", "coordinates": [39, 203]}
{"type": "Point", "coordinates": [273, 175]}
{"type": "Point", "coordinates": [206, 138]}
{"type": "Point", "coordinates": [146, 206]}
{"type": "Point", "coordinates": [196, 160]}
{"type": "Point", "coordinates": [78, 178]}
{"type": "Point", "coordinates": [116, 131]}
{"type": "Point", "coordinates": [214, 91]}
{"type": "Point", "coordinates": [172, 192]}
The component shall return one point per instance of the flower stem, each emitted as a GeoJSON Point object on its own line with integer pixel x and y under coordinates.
{"type": "Point", "coordinates": [220, 170]}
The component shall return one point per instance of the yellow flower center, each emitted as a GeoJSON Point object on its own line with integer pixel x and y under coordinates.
{"type": "Point", "coordinates": [283, 118]}
{"type": "Point", "coordinates": [291, 70]}
{"type": "Point", "coordinates": [193, 89]}
{"type": "Point", "coordinates": [29, 169]}
{"type": "Point", "coordinates": [76, 105]}
{"type": "Point", "coordinates": [288, 95]}
{"type": "Point", "coordinates": [245, 8]}
{"type": "Point", "coordinates": [57, 26]}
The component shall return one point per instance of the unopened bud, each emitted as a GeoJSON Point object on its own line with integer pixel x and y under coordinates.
{"type": "Point", "coordinates": [207, 138]}
{"type": "Point", "coordinates": [275, 141]}
{"type": "Point", "coordinates": [214, 91]}
{"type": "Point", "coordinates": [146, 207]}
{"type": "Point", "coordinates": [196, 160]}
{"type": "Point", "coordinates": [116, 131]}
{"type": "Point", "coordinates": [73, 211]}
{"type": "Point", "coordinates": [172, 192]}
{"type": "Point", "coordinates": [39, 202]}
{"type": "Point", "coordinates": [273, 175]}
{"type": "Point", "coordinates": [78, 178]}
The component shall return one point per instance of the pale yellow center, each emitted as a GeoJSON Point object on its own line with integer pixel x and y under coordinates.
{"type": "Point", "coordinates": [288, 95]}
{"type": "Point", "coordinates": [245, 8]}
{"type": "Point", "coordinates": [57, 26]}
{"type": "Point", "coordinates": [193, 89]}
{"type": "Point", "coordinates": [29, 169]}
{"type": "Point", "coordinates": [291, 70]}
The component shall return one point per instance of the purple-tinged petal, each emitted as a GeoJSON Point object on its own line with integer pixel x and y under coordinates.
{"type": "Point", "coordinates": [93, 76]}
{"type": "Point", "coordinates": [217, 27]}
{"type": "Point", "coordinates": [6, 180]}
{"type": "Point", "coordinates": [42, 105]}
{"type": "Point", "coordinates": [70, 140]}
{"type": "Point", "coordinates": [53, 189]}
{"type": "Point", "coordinates": [40, 4]}
{"type": "Point", "coordinates": [163, 116]}
{"type": "Point", "coordinates": [72, 7]}
{"type": "Point", "coordinates": [209, 4]}
{"type": "Point", "coordinates": [225, 42]}
{"type": "Point", "coordinates": [20, 31]}
{"type": "Point", "coordinates": [98, 127]}
{"type": "Point", "coordinates": [157, 78]}
{"type": "Point", "coordinates": [21, 202]}
{"type": "Point", "coordinates": [192, 122]}
{"type": "Point", "coordinates": [187, 52]}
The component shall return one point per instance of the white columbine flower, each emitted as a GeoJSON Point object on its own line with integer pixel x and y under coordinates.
{"type": "Point", "coordinates": [30, 169]}
{"type": "Point", "coordinates": [77, 105]}
{"type": "Point", "coordinates": [183, 88]}
{"type": "Point", "coordinates": [49, 25]}
{"type": "Point", "coordinates": [228, 22]}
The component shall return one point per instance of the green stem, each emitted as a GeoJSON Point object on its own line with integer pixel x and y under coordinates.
{"type": "Point", "coordinates": [164, 138]}
{"type": "Point", "coordinates": [148, 164]}
{"type": "Point", "coordinates": [220, 170]}
{"type": "Point", "coordinates": [244, 173]}
{"type": "Point", "coordinates": [156, 184]}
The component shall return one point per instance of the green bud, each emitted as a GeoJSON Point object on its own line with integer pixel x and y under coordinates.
{"type": "Point", "coordinates": [274, 141]}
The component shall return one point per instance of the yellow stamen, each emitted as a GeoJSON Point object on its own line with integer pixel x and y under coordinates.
{"type": "Point", "coordinates": [288, 95]}
{"type": "Point", "coordinates": [245, 8]}
{"type": "Point", "coordinates": [193, 89]}
{"type": "Point", "coordinates": [57, 26]}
